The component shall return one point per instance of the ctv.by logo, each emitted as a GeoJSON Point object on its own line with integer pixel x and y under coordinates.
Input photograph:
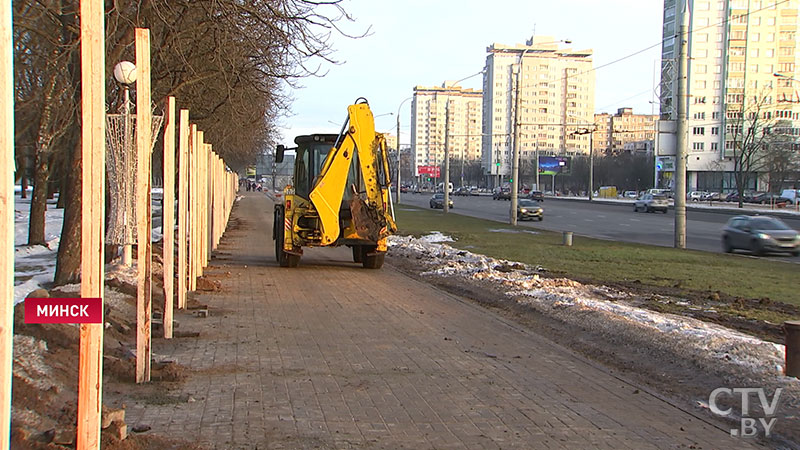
{"type": "Point", "coordinates": [748, 426]}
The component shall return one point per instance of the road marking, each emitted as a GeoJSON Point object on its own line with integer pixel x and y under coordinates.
{"type": "Point", "coordinates": [588, 220]}
{"type": "Point", "coordinates": [635, 220]}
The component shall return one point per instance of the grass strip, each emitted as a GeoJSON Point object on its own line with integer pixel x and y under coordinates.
{"type": "Point", "coordinates": [603, 261]}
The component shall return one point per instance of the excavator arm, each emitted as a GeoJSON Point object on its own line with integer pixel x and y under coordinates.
{"type": "Point", "coordinates": [328, 191]}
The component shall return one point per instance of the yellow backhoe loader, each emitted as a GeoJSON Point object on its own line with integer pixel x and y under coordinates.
{"type": "Point", "coordinates": [339, 193]}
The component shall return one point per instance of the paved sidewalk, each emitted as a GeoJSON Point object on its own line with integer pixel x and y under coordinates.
{"type": "Point", "coordinates": [330, 355]}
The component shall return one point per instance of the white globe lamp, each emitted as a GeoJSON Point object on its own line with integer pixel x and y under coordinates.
{"type": "Point", "coordinates": [125, 72]}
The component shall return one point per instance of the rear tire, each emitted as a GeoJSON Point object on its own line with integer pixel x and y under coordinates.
{"type": "Point", "coordinates": [541, 218]}
{"type": "Point", "coordinates": [726, 245]}
{"type": "Point", "coordinates": [284, 259]}
{"type": "Point", "coordinates": [357, 253]}
{"type": "Point", "coordinates": [371, 261]}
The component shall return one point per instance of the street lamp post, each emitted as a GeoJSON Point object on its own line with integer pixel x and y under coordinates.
{"type": "Point", "coordinates": [446, 179]}
{"type": "Point", "coordinates": [399, 159]}
{"type": "Point", "coordinates": [515, 150]}
{"type": "Point", "coordinates": [591, 159]}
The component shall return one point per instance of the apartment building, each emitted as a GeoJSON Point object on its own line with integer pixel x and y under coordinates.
{"type": "Point", "coordinates": [449, 107]}
{"type": "Point", "coordinates": [736, 48]}
{"type": "Point", "coordinates": [624, 132]}
{"type": "Point", "coordinates": [556, 98]}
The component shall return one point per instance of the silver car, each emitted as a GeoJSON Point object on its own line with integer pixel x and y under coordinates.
{"type": "Point", "coordinates": [651, 202]}
{"type": "Point", "coordinates": [760, 234]}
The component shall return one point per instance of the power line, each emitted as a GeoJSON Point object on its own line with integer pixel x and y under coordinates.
{"type": "Point", "coordinates": [725, 21]}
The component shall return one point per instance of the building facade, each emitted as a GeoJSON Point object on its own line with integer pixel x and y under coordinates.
{"type": "Point", "coordinates": [624, 132]}
{"type": "Point", "coordinates": [450, 108]}
{"type": "Point", "coordinates": [556, 98]}
{"type": "Point", "coordinates": [736, 49]}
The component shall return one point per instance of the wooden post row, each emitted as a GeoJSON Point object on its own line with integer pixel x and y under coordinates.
{"type": "Point", "coordinates": [7, 219]}
{"type": "Point", "coordinates": [144, 250]}
{"type": "Point", "coordinates": [183, 208]}
{"type": "Point", "coordinates": [93, 151]}
{"type": "Point", "coordinates": [168, 215]}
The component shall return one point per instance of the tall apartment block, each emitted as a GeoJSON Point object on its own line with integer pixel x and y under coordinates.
{"type": "Point", "coordinates": [556, 98]}
{"type": "Point", "coordinates": [624, 132]}
{"type": "Point", "coordinates": [736, 48]}
{"type": "Point", "coordinates": [450, 107]}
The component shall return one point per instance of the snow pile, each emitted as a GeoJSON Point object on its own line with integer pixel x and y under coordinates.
{"type": "Point", "coordinates": [598, 307]}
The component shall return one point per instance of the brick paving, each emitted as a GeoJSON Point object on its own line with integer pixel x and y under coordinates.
{"type": "Point", "coordinates": [329, 355]}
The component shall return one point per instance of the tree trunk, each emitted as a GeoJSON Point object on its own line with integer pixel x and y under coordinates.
{"type": "Point", "coordinates": [68, 263]}
{"type": "Point", "coordinates": [24, 183]}
{"type": "Point", "coordinates": [38, 200]}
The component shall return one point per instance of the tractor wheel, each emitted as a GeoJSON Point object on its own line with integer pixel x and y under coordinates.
{"type": "Point", "coordinates": [284, 259]}
{"type": "Point", "coordinates": [357, 253]}
{"type": "Point", "coordinates": [371, 261]}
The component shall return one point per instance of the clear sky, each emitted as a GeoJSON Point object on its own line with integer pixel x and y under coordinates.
{"type": "Point", "coordinates": [425, 42]}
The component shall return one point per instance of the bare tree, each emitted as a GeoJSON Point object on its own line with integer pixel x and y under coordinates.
{"type": "Point", "coordinates": [228, 61]}
{"type": "Point", "coordinates": [750, 139]}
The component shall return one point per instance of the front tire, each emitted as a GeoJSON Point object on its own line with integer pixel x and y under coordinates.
{"type": "Point", "coordinates": [756, 248]}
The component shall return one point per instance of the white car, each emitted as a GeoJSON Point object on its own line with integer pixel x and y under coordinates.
{"type": "Point", "coordinates": [651, 202]}
{"type": "Point", "coordinates": [696, 196]}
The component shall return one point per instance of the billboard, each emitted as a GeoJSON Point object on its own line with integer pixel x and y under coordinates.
{"type": "Point", "coordinates": [431, 171]}
{"type": "Point", "coordinates": [554, 165]}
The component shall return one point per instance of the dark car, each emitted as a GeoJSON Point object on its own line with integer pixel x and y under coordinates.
{"type": "Point", "coordinates": [437, 201]}
{"type": "Point", "coordinates": [462, 191]}
{"type": "Point", "coordinates": [404, 189]}
{"type": "Point", "coordinates": [734, 196]}
{"type": "Point", "coordinates": [529, 209]}
{"type": "Point", "coordinates": [760, 234]}
{"type": "Point", "coordinates": [503, 194]}
{"type": "Point", "coordinates": [536, 195]}
{"type": "Point", "coordinates": [768, 198]}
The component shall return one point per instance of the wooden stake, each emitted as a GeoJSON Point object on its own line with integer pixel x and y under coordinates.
{"type": "Point", "coordinates": [93, 173]}
{"type": "Point", "coordinates": [192, 204]}
{"type": "Point", "coordinates": [168, 215]}
{"type": "Point", "coordinates": [144, 298]}
{"type": "Point", "coordinates": [183, 207]}
{"type": "Point", "coordinates": [7, 219]}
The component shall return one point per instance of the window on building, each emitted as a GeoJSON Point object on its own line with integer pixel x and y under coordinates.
{"type": "Point", "coordinates": [714, 146]}
{"type": "Point", "coordinates": [698, 131]}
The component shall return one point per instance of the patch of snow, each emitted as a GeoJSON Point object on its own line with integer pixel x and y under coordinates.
{"type": "Point", "coordinates": [598, 305]}
{"type": "Point", "coordinates": [436, 236]}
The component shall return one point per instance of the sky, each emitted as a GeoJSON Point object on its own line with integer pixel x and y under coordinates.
{"type": "Point", "coordinates": [425, 42]}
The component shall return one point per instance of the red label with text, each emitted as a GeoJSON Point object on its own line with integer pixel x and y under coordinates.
{"type": "Point", "coordinates": [63, 310]}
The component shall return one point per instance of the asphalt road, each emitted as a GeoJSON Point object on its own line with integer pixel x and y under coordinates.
{"type": "Point", "coordinates": [615, 222]}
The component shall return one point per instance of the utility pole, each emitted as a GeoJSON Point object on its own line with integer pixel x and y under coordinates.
{"type": "Point", "coordinates": [397, 197]}
{"type": "Point", "coordinates": [446, 180]}
{"type": "Point", "coordinates": [680, 158]}
{"type": "Point", "coordinates": [515, 152]}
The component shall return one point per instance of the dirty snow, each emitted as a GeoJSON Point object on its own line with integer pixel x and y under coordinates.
{"type": "Point", "coordinates": [599, 305]}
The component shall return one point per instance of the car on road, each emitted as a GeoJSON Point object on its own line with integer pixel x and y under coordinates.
{"type": "Point", "coordinates": [712, 197]}
{"type": "Point", "coordinates": [462, 191]}
{"type": "Point", "coordinates": [651, 202]}
{"type": "Point", "coordinates": [759, 235]}
{"type": "Point", "coordinates": [630, 194]}
{"type": "Point", "coordinates": [502, 194]}
{"type": "Point", "coordinates": [536, 195]}
{"type": "Point", "coordinates": [791, 194]}
{"type": "Point", "coordinates": [437, 201]}
{"type": "Point", "coordinates": [528, 209]}
{"type": "Point", "coordinates": [696, 196]}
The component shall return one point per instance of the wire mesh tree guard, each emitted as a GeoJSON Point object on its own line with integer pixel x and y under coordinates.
{"type": "Point", "coordinates": [121, 172]}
